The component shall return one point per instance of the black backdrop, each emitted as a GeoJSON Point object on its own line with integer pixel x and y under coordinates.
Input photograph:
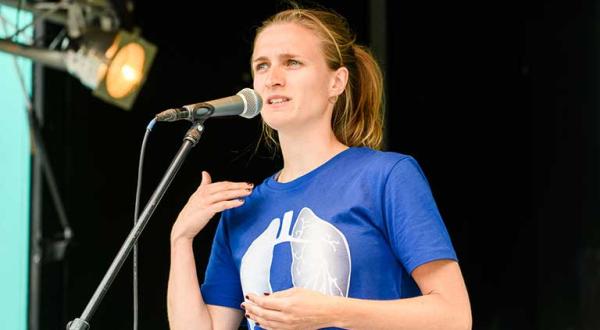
{"type": "Point", "coordinates": [497, 102]}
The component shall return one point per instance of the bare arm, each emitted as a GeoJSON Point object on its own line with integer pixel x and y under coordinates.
{"type": "Point", "coordinates": [186, 308]}
{"type": "Point", "coordinates": [443, 305]}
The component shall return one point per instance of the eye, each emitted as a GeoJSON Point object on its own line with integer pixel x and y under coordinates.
{"type": "Point", "coordinates": [293, 63]}
{"type": "Point", "coordinates": [260, 67]}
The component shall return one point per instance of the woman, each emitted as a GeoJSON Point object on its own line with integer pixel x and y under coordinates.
{"type": "Point", "coordinates": [343, 236]}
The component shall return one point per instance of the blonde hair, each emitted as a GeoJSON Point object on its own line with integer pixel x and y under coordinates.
{"type": "Point", "coordinates": [358, 112]}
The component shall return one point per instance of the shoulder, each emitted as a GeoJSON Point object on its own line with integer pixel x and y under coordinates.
{"type": "Point", "coordinates": [381, 160]}
{"type": "Point", "coordinates": [392, 169]}
{"type": "Point", "coordinates": [371, 168]}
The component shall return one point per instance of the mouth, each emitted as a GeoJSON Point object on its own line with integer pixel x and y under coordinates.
{"type": "Point", "coordinates": [275, 100]}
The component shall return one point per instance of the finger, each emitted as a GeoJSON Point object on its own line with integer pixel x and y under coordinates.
{"type": "Point", "coordinates": [225, 205]}
{"type": "Point", "coordinates": [227, 195]}
{"type": "Point", "coordinates": [269, 324]}
{"type": "Point", "coordinates": [267, 302]}
{"type": "Point", "coordinates": [263, 313]}
{"type": "Point", "coordinates": [227, 185]}
{"type": "Point", "coordinates": [206, 179]}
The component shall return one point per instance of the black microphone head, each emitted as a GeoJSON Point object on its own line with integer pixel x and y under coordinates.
{"type": "Point", "coordinates": [252, 103]}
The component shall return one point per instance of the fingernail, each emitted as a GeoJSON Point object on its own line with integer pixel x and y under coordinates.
{"type": "Point", "coordinates": [266, 293]}
{"type": "Point", "coordinates": [242, 306]}
{"type": "Point", "coordinates": [240, 200]}
{"type": "Point", "coordinates": [250, 184]}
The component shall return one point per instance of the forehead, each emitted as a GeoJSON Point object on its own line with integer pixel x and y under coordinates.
{"type": "Point", "coordinates": [286, 38]}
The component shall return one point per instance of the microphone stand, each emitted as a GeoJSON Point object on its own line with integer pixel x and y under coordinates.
{"type": "Point", "coordinates": [190, 140]}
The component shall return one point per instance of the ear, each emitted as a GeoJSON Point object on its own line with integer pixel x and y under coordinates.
{"type": "Point", "coordinates": [339, 80]}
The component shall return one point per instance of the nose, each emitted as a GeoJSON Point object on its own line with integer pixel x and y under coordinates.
{"type": "Point", "coordinates": [275, 77]}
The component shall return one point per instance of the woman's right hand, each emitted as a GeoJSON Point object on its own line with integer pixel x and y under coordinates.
{"type": "Point", "coordinates": [209, 199]}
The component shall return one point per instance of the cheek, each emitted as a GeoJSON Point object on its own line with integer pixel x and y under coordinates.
{"type": "Point", "coordinates": [257, 86]}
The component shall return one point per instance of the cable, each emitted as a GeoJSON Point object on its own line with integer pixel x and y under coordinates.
{"type": "Point", "coordinates": [135, 220]}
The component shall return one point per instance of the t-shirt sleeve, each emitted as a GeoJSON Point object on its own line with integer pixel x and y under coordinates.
{"type": "Point", "coordinates": [415, 228]}
{"type": "Point", "coordinates": [222, 281]}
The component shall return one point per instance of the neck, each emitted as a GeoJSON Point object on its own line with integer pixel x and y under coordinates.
{"type": "Point", "coordinates": [305, 151]}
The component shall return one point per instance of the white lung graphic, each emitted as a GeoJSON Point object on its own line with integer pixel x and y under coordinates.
{"type": "Point", "coordinates": [320, 256]}
{"type": "Point", "coordinates": [255, 269]}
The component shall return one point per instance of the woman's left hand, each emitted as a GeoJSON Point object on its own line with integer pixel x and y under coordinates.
{"type": "Point", "coordinates": [294, 308]}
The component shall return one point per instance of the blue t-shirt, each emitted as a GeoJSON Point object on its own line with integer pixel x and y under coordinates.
{"type": "Point", "coordinates": [356, 226]}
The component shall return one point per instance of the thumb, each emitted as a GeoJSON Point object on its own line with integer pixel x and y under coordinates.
{"type": "Point", "coordinates": [205, 179]}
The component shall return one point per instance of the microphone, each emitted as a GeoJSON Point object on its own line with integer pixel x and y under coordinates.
{"type": "Point", "coordinates": [245, 103]}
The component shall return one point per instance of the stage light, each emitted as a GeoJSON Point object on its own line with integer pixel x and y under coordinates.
{"type": "Point", "coordinates": [113, 63]}
{"type": "Point", "coordinates": [127, 70]}
{"type": "Point", "coordinates": [114, 72]}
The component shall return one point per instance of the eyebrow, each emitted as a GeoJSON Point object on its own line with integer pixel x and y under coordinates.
{"type": "Point", "coordinates": [281, 56]}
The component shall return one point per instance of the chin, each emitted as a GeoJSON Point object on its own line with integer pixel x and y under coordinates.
{"type": "Point", "coordinates": [275, 120]}
{"type": "Point", "coordinates": [276, 125]}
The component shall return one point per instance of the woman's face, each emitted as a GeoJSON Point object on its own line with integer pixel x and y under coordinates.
{"type": "Point", "coordinates": [292, 77]}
